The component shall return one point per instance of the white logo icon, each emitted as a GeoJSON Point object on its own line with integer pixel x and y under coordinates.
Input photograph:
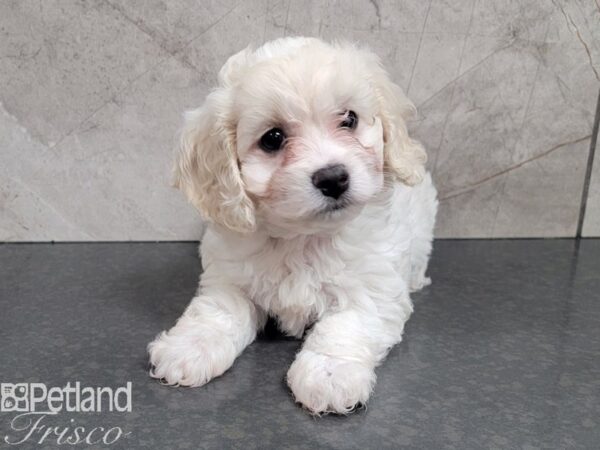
{"type": "Point", "coordinates": [14, 397]}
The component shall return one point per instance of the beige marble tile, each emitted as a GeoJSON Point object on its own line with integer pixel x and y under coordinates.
{"type": "Point", "coordinates": [471, 213]}
{"type": "Point", "coordinates": [26, 212]}
{"type": "Point", "coordinates": [62, 61]}
{"type": "Point", "coordinates": [591, 224]}
{"type": "Point", "coordinates": [173, 25]}
{"type": "Point", "coordinates": [92, 95]}
{"type": "Point", "coordinates": [484, 120]}
{"type": "Point", "coordinates": [522, 95]}
{"type": "Point", "coordinates": [438, 65]}
{"type": "Point", "coordinates": [109, 180]}
{"type": "Point", "coordinates": [391, 29]}
{"type": "Point", "coordinates": [541, 196]}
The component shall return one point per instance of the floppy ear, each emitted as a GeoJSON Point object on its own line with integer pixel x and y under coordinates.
{"type": "Point", "coordinates": [206, 167]}
{"type": "Point", "coordinates": [403, 157]}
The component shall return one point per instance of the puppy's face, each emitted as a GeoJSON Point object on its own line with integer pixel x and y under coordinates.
{"type": "Point", "coordinates": [299, 135]}
{"type": "Point", "coordinates": [309, 142]}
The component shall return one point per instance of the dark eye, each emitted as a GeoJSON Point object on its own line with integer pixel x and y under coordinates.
{"type": "Point", "coordinates": [272, 140]}
{"type": "Point", "coordinates": [350, 120]}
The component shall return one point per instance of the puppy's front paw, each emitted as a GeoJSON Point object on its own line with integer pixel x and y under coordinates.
{"type": "Point", "coordinates": [190, 357]}
{"type": "Point", "coordinates": [324, 384]}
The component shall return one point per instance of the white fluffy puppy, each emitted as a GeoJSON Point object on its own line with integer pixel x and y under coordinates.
{"type": "Point", "coordinates": [320, 215]}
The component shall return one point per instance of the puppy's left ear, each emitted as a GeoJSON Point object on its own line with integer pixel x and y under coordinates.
{"type": "Point", "coordinates": [404, 157]}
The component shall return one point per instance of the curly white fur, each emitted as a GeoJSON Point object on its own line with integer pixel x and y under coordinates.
{"type": "Point", "coordinates": [276, 246]}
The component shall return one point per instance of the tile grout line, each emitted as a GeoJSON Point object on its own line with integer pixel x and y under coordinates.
{"type": "Point", "coordinates": [588, 171]}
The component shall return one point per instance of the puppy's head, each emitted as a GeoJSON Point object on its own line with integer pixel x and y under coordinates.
{"type": "Point", "coordinates": [299, 134]}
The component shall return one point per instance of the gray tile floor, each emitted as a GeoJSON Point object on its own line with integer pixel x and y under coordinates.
{"type": "Point", "coordinates": [503, 351]}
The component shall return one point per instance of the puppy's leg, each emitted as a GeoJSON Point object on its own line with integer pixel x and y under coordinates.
{"type": "Point", "coordinates": [423, 209]}
{"type": "Point", "coordinates": [335, 370]}
{"type": "Point", "coordinates": [213, 331]}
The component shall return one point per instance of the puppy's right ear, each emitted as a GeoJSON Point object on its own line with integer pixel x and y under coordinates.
{"type": "Point", "coordinates": [206, 167]}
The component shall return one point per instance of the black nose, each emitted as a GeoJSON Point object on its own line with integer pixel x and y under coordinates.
{"type": "Point", "coordinates": [332, 181]}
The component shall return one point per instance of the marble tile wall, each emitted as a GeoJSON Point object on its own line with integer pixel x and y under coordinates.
{"type": "Point", "coordinates": [92, 93]}
{"type": "Point", "coordinates": [591, 223]}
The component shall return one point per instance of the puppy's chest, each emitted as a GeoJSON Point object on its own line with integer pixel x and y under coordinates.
{"type": "Point", "coordinates": [295, 280]}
